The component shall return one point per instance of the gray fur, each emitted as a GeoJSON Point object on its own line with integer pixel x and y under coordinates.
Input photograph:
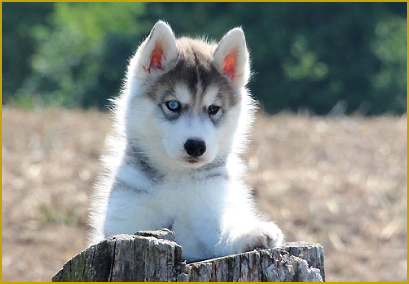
{"type": "Point", "coordinates": [123, 185]}
{"type": "Point", "coordinates": [135, 156]}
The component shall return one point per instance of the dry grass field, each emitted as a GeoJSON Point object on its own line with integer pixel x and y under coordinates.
{"type": "Point", "coordinates": [338, 181]}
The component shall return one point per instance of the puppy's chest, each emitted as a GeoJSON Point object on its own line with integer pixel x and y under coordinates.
{"type": "Point", "coordinates": [172, 191]}
{"type": "Point", "coordinates": [187, 186]}
{"type": "Point", "coordinates": [187, 191]}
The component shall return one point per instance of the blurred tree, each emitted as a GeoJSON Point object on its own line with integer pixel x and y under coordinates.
{"type": "Point", "coordinates": [18, 45]}
{"type": "Point", "coordinates": [390, 80]}
{"type": "Point", "coordinates": [83, 55]}
{"type": "Point", "coordinates": [308, 55]}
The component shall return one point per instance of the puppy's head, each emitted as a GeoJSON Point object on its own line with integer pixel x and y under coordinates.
{"type": "Point", "coordinates": [184, 96]}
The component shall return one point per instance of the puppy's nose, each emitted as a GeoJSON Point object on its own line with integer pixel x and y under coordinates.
{"type": "Point", "coordinates": [195, 148]}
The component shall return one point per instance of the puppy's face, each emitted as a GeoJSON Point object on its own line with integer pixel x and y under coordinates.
{"type": "Point", "coordinates": [185, 96]}
{"type": "Point", "coordinates": [195, 126]}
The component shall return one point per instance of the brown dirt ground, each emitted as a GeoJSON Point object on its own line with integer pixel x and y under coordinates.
{"type": "Point", "coordinates": [338, 181]}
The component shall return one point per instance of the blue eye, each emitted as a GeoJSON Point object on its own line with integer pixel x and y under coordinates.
{"type": "Point", "coordinates": [173, 106]}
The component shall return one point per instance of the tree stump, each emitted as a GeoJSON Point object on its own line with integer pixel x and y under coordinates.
{"type": "Point", "coordinates": [154, 256]}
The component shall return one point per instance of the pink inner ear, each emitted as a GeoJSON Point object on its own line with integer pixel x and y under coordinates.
{"type": "Point", "coordinates": [230, 62]}
{"type": "Point", "coordinates": [156, 57]}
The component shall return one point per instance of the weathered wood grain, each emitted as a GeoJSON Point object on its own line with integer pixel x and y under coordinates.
{"type": "Point", "coordinates": [154, 256]}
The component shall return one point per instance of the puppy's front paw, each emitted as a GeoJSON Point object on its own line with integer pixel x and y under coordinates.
{"type": "Point", "coordinates": [265, 235]}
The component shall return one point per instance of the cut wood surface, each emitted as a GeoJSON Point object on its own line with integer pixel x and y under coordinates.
{"type": "Point", "coordinates": [154, 256]}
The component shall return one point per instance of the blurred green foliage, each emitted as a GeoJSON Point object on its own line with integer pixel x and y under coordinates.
{"type": "Point", "coordinates": [17, 44]}
{"type": "Point", "coordinates": [304, 55]}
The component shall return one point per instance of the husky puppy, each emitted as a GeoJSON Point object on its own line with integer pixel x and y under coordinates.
{"type": "Point", "coordinates": [180, 125]}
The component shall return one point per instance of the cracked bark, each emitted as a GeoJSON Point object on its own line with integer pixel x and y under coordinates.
{"type": "Point", "coordinates": [154, 256]}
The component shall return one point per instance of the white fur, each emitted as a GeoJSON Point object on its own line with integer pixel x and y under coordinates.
{"type": "Point", "coordinates": [211, 215]}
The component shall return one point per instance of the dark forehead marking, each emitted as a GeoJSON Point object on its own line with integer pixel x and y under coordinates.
{"type": "Point", "coordinates": [194, 59]}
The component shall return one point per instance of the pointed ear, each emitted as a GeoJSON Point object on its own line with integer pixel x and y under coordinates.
{"type": "Point", "coordinates": [232, 58]}
{"type": "Point", "coordinates": [158, 52]}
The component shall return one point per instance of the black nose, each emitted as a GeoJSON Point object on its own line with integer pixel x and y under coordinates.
{"type": "Point", "coordinates": [195, 148]}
